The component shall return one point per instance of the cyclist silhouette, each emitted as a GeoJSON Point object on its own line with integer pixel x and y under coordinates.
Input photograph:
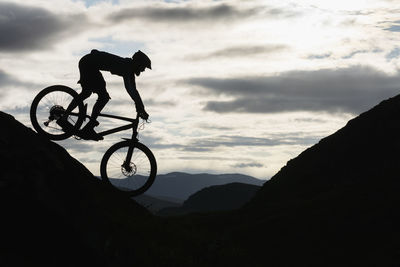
{"type": "Point", "coordinates": [92, 81]}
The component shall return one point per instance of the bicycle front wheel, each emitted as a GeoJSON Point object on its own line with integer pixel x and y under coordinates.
{"type": "Point", "coordinates": [133, 177]}
{"type": "Point", "coordinates": [49, 106]}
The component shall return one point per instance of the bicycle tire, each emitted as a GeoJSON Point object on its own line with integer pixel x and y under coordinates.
{"type": "Point", "coordinates": [45, 101]}
{"type": "Point", "coordinates": [143, 161]}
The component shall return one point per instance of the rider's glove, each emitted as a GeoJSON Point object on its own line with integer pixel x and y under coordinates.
{"type": "Point", "coordinates": [143, 114]}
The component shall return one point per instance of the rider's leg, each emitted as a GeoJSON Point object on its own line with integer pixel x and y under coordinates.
{"type": "Point", "coordinates": [102, 100]}
{"type": "Point", "coordinates": [88, 131]}
{"type": "Point", "coordinates": [82, 96]}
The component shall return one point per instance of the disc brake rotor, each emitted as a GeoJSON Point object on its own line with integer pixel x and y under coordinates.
{"type": "Point", "coordinates": [129, 171]}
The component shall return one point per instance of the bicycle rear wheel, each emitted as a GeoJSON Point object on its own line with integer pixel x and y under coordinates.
{"type": "Point", "coordinates": [49, 106]}
{"type": "Point", "coordinates": [132, 178]}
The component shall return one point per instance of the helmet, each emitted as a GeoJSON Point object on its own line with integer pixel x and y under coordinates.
{"type": "Point", "coordinates": [142, 59]}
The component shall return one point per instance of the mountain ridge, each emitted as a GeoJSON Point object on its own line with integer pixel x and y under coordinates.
{"type": "Point", "coordinates": [336, 203]}
{"type": "Point", "coordinates": [181, 185]}
{"type": "Point", "coordinates": [348, 148]}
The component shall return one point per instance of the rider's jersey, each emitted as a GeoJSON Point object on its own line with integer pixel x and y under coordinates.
{"type": "Point", "coordinates": [112, 63]}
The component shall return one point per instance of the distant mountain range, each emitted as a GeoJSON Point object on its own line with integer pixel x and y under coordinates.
{"type": "Point", "coordinates": [174, 193]}
{"type": "Point", "coordinates": [179, 185]}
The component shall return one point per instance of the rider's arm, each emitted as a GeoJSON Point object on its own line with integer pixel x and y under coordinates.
{"type": "Point", "coordinates": [130, 87]}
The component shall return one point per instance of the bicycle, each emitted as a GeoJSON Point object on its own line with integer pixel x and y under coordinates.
{"type": "Point", "coordinates": [128, 166]}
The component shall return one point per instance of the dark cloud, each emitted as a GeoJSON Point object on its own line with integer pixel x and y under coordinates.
{"type": "Point", "coordinates": [190, 13]}
{"type": "Point", "coordinates": [352, 54]}
{"type": "Point", "coordinates": [248, 165]}
{"type": "Point", "coordinates": [319, 56]}
{"type": "Point", "coordinates": [27, 28]}
{"type": "Point", "coordinates": [395, 27]}
{"type": "Point", "coordinates": [9, 80]}
{"type": "Point", "coordinates": [240, 51]}
{"type": "Point", "coordinates": [310, 120]}
{"type": "Point", "coordinates": [349, 90]}
{"type": "Point", "coordinates": [6, 79]}
{"type": "Point", "coordinates": [395, 53]}
{"type": "Point", "coordinates": [209, 144]}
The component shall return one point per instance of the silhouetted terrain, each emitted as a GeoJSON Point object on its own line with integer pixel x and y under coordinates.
{"type": "Point", "coordinates": [172, 189]}
{"type": "Point", "coordinates": [53, 210]}
{"type": "Point", "coordinates": [215, 198]}
{"type": "Point", "coordinates": [153, 204]}
{"type": "Point", "coordinates": [336, 204]}
{"type": "Point", "coordinates": [182, 185]}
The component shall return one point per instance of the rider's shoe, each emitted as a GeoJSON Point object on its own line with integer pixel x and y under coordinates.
{"type": "Point", "coordinates": [88, 133]}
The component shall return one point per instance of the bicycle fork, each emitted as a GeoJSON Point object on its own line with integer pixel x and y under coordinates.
{"type": "Point", "coordinates": [127, 162]}
{"type": "Point", "coordinates": [128, 165]}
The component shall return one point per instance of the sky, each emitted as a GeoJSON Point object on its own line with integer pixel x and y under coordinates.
{"type": "Point", "coordinates": [235, 87]}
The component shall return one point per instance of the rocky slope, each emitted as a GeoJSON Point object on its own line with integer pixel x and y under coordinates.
{"type": "Point", "coordinates": [335, 204]}
{"type": "Point", "coordinates": [365, 151]}
{"type": "Point", "coordinates": [54, 211]}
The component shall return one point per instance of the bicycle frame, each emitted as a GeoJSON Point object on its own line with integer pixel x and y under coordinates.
{"type": "Point", "coordinates": [132, 125]}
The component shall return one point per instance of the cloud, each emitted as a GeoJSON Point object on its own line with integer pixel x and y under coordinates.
{"type": "Point", "coordinates": [240, 51]}
{"type": "Point", "coordinates": [211, 143]}
{"type": "Point", "coordinates": [346, 90]}
{"type": "Point", "coordinates": [25, 28]}
{"type": "Point", "coordinates": [395, 27]}
{"type": "Point", "coordinates": [395, 53]}
{"type": "Point", "coordinates": [188, 13]}
{"type": "Point", "coordinates": [248, 165]}
{"type": "Point", "coordinates": [319, 56]}
{"type": "Point", "coordinates": [352, 54]}
{"type": "Point", "coordinates": [163, 104]}
{"type": "Point", "coordinates": [78, 146]}
{"type": "Point", "coordinates": [179, 14]}
{"type": "Point", "coordinates": [215, 127]}
{"type": "Point", "coordinates": [208, 144]}
{"type": "Point", "coordinates": [7, 80]}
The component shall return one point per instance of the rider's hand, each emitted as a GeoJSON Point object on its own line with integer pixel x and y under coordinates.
{"type": "Point", "coordinates": [143, 114]}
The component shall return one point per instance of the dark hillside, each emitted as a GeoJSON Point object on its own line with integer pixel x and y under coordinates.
{"type": "Point", "coordinates": [53, 211]}
{"type": "Point", "coordinates": [215, 198]}
{"type": "Point", "coordinates": [366, 150]}
{"type": "Point", "coordinates": [336, 204]}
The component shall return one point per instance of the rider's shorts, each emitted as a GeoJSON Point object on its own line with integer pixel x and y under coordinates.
{"type": "Point", "coordinates": [91, 78]}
